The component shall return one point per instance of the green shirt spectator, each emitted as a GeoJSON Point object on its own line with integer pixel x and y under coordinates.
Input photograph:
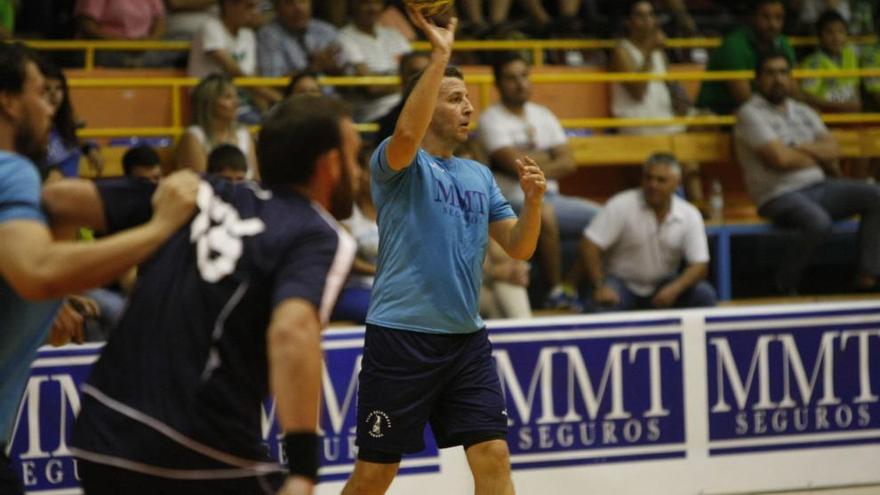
{"type": "Point", "coordinates": [835, 53]}
{"type": "Point", "coordinates": [832, 89]}
{"type": "Point", "coordinates": [738, 51]}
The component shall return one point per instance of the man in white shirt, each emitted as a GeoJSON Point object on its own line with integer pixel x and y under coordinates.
{"type": "Point", "coordinates": [228, 46]}
{"type": "Point", "coordinates": [516, 127]}
{"type": "Point", "coordinates": [374, 50]}
{"type": "Point", "coordinates": [643, 235]}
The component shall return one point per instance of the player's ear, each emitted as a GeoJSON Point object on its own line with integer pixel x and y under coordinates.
{"type": "Point", "coordinates": [329, 166]}
{"type": "Point", "coordinates": [10, 105]}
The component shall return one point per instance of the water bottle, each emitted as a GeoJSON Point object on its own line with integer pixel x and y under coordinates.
{"type": "Point", "coordinates": [716, 203]}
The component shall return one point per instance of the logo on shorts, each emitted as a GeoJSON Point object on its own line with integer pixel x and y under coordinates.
{"type": "Point", "coordinates": [377, 422]}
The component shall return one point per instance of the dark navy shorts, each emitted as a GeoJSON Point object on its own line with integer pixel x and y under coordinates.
{"type": "Point", "coordinates": [409, 379]}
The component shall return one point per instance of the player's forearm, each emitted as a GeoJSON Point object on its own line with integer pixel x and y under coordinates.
{"type": "Point", "coordinates": [524, 235]}
{"type": "Point", "coordinates": [294, 350]}
{"type": "Point", "coordinates": [69, 267]}
{"type": "Point", "coordinates": [417, 113]}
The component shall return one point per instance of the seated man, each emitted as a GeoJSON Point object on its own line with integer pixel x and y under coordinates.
{"type": "Point", "coordinates": [785, 152]}
{"type": "Point", "coordinates": [295, 42]}
{"type": "Point", "coordinates": [643, 235]}
{"type": "Point", "coordinates": [142, 162]}
{"type": "Point", "coordinates": [516, 127]}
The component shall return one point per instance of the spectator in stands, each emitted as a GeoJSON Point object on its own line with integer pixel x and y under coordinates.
{"type": "Point", "coordinates": [643, 235]}
{"type": "Point", "coordinates": [739, 51]}
{"type": "Point", "coordinates": [787, 155]}
{"type": "Point", "coordinates": [642, 50]}
{"type": "Point", "coordinates": [303, 82]}
{"type": "Point", "coordinates": [122, 20]}
{"type": "Point", "coordinates": [65, 148]}
{"type": "Point", "coordinates": [354, 300]}
{"type": "Point", "coordinates": [186, 17]}
{"type": "Point", "coordinates": [214, 103]}
{"type": "Point", "coordinates": [373, 50]}
{"type": "Point", "coordinates": [142, 162]}
{"type": "Point", "coordinates": [228, 46]}
{"type": "Point", "coordinates": [841, 94]}
{"type": "Point", "coordinates": [229, 162]}
{"type": "Point", "coordinates": [516, 127]}
{"type": "Point", "coordinates": [410, 64]}
{"type": "Point", "coordinates": [295, 41]}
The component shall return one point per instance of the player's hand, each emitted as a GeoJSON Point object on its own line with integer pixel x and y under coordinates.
{"type": "Point", "coordinates": [606, 296]}
{"type": "Point", "coordinates": [531, 179]}
{"type": "Point", "coordinates": [67, 326]}
{"type": "Point", "coordinates": [175, 200]}
{"type": "Point", "coordinates": [665, 297]}
{"type": "Point", "coordinates": [441, 38]}
{"type": "Point", "coordinates": [297, 485]}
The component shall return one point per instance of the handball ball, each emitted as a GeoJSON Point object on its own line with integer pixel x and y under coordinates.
{"type": "Point", "coordinates": [430, 8]}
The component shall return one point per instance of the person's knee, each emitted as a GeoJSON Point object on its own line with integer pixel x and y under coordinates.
{"type": "Point", "coordinates": [370, 478]}
{"type": "Point", "coordinates": [490, 459]}
{"type": "Point", "coordinates": [704, 295]}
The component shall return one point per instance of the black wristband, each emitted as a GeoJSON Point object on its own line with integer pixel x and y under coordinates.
{"type": "Point", "coordinates": [302, 454]}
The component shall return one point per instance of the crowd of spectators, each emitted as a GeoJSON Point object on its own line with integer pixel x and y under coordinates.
{"type": "Point", "coordinates": [646, 247]}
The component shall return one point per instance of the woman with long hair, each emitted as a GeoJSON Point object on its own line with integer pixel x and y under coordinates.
{"type": "Point", "coordinates": [214, 104]}
{"type": "Point", "coordinates": [65, 148]}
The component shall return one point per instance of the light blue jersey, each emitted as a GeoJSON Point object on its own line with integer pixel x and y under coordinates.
{"type": "Point", "coordinates": [434, 221]}
{"type": "Point", "coordinates": [23, 324]}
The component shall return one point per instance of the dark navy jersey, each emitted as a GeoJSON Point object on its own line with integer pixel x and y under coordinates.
{"type": "Point", "coordinates": [177, 391]}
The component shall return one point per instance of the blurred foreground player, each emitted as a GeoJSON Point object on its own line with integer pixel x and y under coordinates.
{"type": "Point", "coordinates": [427, 356]}
{"type": "Point", "coordinates": [35, 270]}
{"type": "Point", "coordinates": [229, 310]}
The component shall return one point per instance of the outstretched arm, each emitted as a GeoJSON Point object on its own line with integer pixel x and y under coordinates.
{"type": "Point", "coordinates": [419, 107]}
{"type": "Point", "coordinates": [37, 267]}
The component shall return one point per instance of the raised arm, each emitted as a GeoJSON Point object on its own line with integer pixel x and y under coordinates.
{"type": "Point", "coordinates": [419, 107]}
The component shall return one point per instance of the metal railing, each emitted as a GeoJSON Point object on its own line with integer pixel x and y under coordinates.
{"type": "Point", "coordinates": [484, 82]}
{"type": "Point", "coordinates": [537, 48]}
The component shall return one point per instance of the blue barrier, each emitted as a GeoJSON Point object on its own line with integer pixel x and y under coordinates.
{"type": "Point", "coordinates": [660, 402]}
{"type": "Point", "coordinates": [721, 235]}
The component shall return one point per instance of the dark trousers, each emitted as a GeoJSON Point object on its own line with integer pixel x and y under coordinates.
{"type": "Point", "coordinates": [699, 295]}
{"type": "Point", "coordinates": [812, 210]}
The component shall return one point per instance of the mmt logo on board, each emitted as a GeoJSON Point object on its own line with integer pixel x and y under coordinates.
{"type": "Point", "coordinates": [597, 392]}
{"type": "Point", "coordinates": [793, 381]}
